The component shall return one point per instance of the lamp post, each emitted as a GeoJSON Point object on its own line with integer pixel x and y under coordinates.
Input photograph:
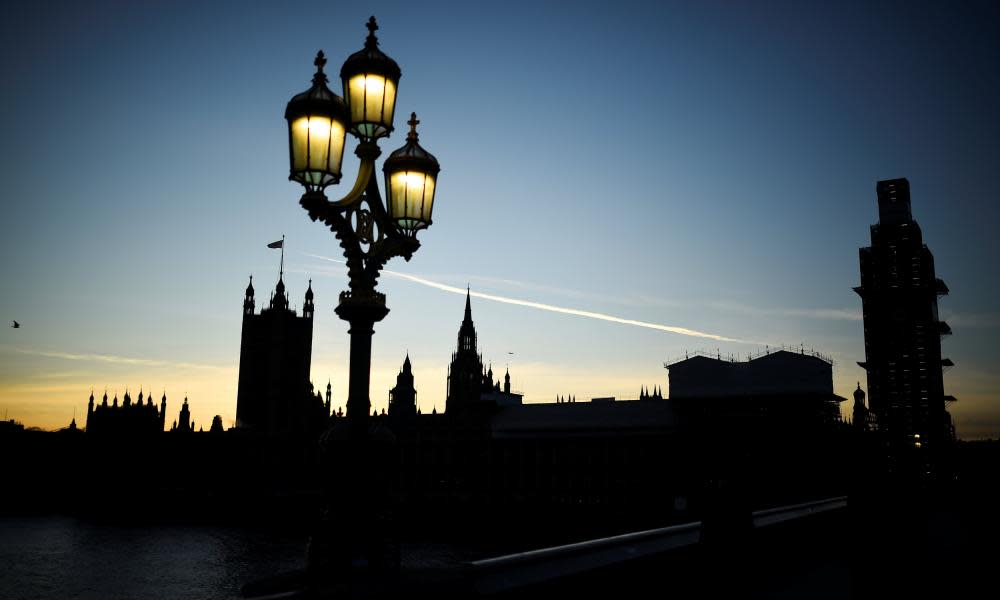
{"type": "Point", "coordinates": [369, 231]}
{"type": "Point", "coordinates": [353, 536]}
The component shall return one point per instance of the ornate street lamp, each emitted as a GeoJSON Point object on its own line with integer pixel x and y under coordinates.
{"type": "Point", "coordinates": [369, 232]}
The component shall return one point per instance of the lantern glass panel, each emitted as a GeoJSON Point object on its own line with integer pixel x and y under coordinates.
{"type": "Point", "coordinates": [317, 149]}
{"type": "Point", "coordinates": [411, 195]}
{"type": "Point", "coordinates": [372, 102]}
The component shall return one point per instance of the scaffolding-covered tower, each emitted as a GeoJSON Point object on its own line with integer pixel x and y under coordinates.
{"type": "Point", "coordinates": [899, 293]}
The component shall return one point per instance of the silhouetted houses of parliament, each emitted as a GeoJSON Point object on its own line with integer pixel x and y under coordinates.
{"type": "Point", "coordinates": [775, 418]}
{"type": "Point", "coordinates": [130, 418]}
{"type": "Point", "coordinates": [135, 419]}
{"type": "Point", "coordinates": [899, 292]}
{"type": "Point", "coordinates": [275, 396]}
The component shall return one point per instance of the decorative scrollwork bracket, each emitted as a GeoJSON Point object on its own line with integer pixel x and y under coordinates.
{"type": "Point", "coordinates": [367, 235]}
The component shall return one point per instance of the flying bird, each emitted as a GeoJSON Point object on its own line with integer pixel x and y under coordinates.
{"type": "Point", "coordinates": [15, 324]}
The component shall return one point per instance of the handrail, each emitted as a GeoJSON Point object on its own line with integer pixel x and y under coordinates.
{"type": "Point", "coordinates": [554, 551]}
{"type": "Point", "coordinates": [510, 571]}
{"type": "Point", "coordinates": [770, 516]}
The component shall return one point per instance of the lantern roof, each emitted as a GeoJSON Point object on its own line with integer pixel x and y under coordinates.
{"type": "Point", "coordinates": [370, 59]}
{"type": "Point", "coordinates": [412, 154]}
{"type": "Point", "coordinates": [319, 99]}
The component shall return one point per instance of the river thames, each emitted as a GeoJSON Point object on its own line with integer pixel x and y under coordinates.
{"type": "Point", "coordinates": [65, 557]}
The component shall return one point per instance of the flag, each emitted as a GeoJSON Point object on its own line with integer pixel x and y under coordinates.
{"type": "Point", "coordinates": [278, 244]}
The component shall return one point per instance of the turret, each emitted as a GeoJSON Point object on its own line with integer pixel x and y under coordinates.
{"type": "Point", "coordinates": [90, 408]}
{"type": "Point", "coordinates": [403, 397]}
{"type": "Point", "coordinates": [280, 298]}
{"type": "Point", "coordinates": [860, 410]}
{"type": "Point", "coordinates": [329, 398]}
{"type": "Point", "coordinates": [248, 302]}
{"type": "Point", "coordinates": [163, 410]}
{"type": "Point", "coordinates": [184, 421]}
{"type": "Point", "coordinates": [308, 307]}
{"type": "Point", "coordinates": [506, 382]}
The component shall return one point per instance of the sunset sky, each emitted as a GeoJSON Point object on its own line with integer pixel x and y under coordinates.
{"type": "Point", "coordinates": [640, 179]}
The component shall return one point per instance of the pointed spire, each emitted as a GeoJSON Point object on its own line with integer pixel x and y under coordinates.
{"type": "Point", "coordinates": [468, 303]}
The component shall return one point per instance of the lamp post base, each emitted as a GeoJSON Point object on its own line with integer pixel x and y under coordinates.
{"type": "Point", "coordinates": [355, 539]}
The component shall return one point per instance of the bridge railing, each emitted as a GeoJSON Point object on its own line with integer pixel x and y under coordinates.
{"type": "Point", "coordinates": [512, 571]}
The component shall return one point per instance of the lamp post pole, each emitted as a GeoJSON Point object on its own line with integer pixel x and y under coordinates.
{"type": "Point", "coordinates": [371, 232]}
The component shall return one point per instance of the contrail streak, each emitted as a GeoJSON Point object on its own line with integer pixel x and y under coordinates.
{"type": "Point", "coordinates": [122, 360]}
{"type": "Point", "coordinates": [548, 307]}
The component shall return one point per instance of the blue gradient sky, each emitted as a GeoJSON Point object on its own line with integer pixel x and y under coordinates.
{"type": "Point", "coordinates": [706, 165]}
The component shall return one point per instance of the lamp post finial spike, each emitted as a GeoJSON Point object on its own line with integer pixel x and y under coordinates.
{"type": "Point", "coordinates": [413, 122]}
{"type": "Point", "coordinates": [371, 41]}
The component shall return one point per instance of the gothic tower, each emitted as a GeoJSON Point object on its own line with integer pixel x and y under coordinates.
{"type": "Point", "coordinates": [184, 421]}
{"type": "Point", "coordinates": [274, 395]}
{"type": "Point", "coordinates": [860, 419]}
{"type": "Point", "coordinates": [403, 397]}
{"type": "Point", "coordinates": [465, 373]}
{"type": "Point", "coordinates": [899, 292]}
{"type": "Point", "coordinates": [329, 398]}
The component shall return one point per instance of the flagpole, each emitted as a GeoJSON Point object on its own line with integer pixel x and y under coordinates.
{"type": "Point", "coordinates": [281, 268]}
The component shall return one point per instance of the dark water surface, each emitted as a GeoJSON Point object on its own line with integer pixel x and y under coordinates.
{"type": "Point", "coordinates": [64, 557]}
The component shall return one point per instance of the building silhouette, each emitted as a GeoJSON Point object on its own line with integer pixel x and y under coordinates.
{"type": "Point", "coordinates": [860, 418]}
{"type": "Point", "coordinates": [403, 397]}
{"type": "Point", "coordinates": [899, 292]}
{"type": "Point", "coordinates": [470, 384]}
{"type": "Point", "coordinates": [129, 418]}
{"type": "Point", "coordinates": [183, 424]}
{"type": "Point", "coordinates": [780, 386]}
{"type": "Point", "coordinates": [275, 396]}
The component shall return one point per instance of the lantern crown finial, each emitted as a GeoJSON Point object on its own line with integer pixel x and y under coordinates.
{"type": "Point", "coordinates": [371, 41]}
{"type": "Point", "coordinates": [413, 122]}
{"type": "Point", "coordinates": [320, 62]}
